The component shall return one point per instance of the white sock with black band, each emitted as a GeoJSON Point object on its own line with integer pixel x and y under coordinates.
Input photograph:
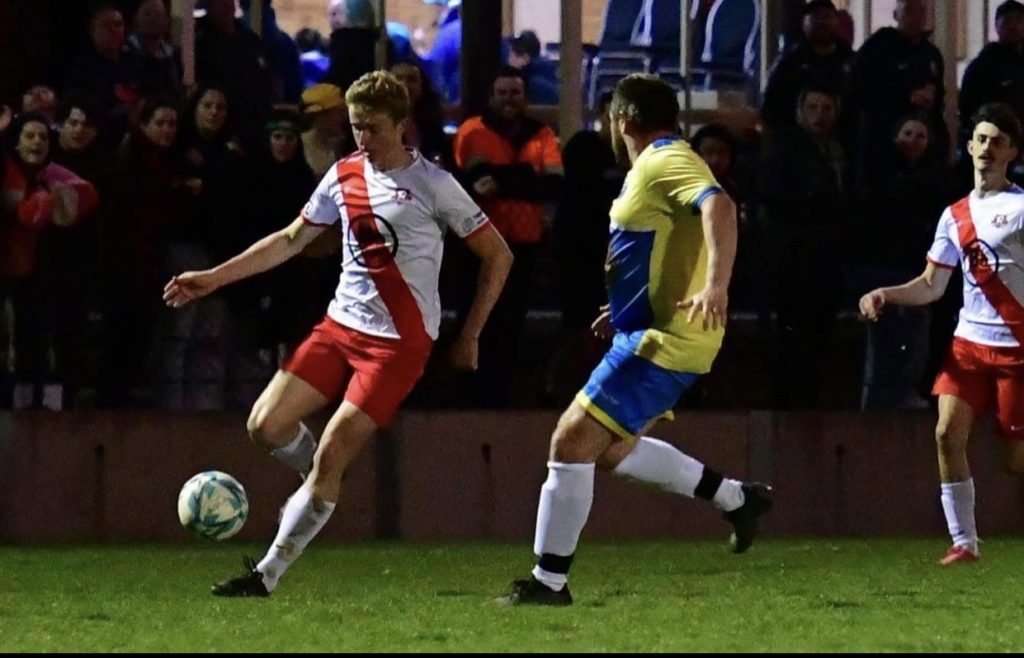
{"type": "Point", "coordinates": [565, 501]}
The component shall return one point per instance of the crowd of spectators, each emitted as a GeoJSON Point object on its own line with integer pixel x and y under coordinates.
{"type": "Point", "coordinates": [116, 177]}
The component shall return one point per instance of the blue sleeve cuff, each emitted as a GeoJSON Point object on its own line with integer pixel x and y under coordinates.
{"type": "Point", "coordinates": [705, 195]}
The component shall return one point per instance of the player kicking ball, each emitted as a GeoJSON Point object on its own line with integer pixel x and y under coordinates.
{"type": "Point", "coordinates": [670, 257]}
{"type": "Point", "coordinates": [393, 208]}
{"type": "Point", "coordinates": [984, 233]}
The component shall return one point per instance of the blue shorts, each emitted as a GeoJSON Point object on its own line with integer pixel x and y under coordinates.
{"type": "Point", "coordinates": [626, 391]}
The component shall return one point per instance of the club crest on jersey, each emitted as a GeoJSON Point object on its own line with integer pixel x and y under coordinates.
{"type": "Point", "coordinates": [402, 195]}
{"type": "Point", "coordinates": [1000, 221]}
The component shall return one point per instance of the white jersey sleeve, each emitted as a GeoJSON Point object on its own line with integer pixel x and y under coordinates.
{"type": "Point", "coordinates": [945, 250]}
{"type": "Point", "coordinates": [454, 208]}
{"type": "Point", "coordinates": [322, 209]}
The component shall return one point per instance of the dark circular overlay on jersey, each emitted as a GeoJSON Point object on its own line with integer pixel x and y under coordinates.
{"type": "Point", "coordinates": [372, 241]}
{"type": "Point", "coordinates": [981, 262]}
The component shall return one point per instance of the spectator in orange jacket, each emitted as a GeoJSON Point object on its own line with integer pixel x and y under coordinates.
{"type": "Point", "coordinates": [513, 166]}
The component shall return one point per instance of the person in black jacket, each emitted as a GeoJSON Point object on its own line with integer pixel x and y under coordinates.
{"type": "Point", "coordinates": [896, 70]}
{"type": "Point", "coordinates": [819, 56]}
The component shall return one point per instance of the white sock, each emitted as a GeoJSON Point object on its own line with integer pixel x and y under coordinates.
{"type": "Point", "coordinates": [565, 501]}
{"type": "Point", "coordinates": [298, 455]}
{"type": "Point", "coordinates": [958, 504]}
{"type": "Point", "coordinates": [662, 464]}
{"type": "Point", "coordinates": [303, 518]}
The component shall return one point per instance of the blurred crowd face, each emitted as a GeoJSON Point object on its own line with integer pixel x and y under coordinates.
{"type": "Point", "coordinates": [284, 144]}
{"type": "Point", "coordinates": [162, 128]}
{"type": "Point", "coordinates": [717, 154]}
{"type": "Point", "coordinates": [107, 32]}
{"type": "Point", "coordinates": [991, 149]}
{"type": "Point", "coordinates": [211, 112]}
{"type": "Point", "coordinates": [912, 17]}
{"type": "Point", "coordinates": [508, 98]}
{"type": "Point", "coordinates": [409, 75]}
{"type": "Point", "coordinates": [912, 140]}
{"type": "Point", "coordinates": [151, 20]}
{"type": "Point", "coordinates": [33, 144]}
{"type": "Point", "coordinates": [40, 99]}
{"type": "Point", "coordinates": [337, 15]}
{"type": "Point", "coordinates": [818, 114]}
{"type": "Point", "coordinates": [221, 12]}
{"type": "Point", "coordinates": [77, 133]}
{"type": "Point", "coordinates": [820, 26]}
{"type": "Point", "coordinates": [1010, 28]}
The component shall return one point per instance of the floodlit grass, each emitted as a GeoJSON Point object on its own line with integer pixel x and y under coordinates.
{"type": "Point", "coordinates": [813, 595]}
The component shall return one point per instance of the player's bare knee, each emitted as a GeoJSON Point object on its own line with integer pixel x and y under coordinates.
{"type": "Point", "coordinates": [569, 445]}
{"type": "Point", "coordinates": [264, 431]}
{"type": "Point", "coordinates": [948, 441]}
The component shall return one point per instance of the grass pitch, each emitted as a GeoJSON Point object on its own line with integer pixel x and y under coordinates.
{"type": "Point", "coordinates": [814, 595]}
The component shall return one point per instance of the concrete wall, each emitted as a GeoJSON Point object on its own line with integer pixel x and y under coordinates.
{"type": "Point", "coordinates": [459, 476]}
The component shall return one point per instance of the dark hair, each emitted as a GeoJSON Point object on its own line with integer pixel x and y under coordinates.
{"type": "Point", "coordinates": [917, 116]}
{"type": "Point", "coordinates": [647, 101]}
{"type": "Point", "coordinates": [818, 87]}
{"type": "Point", "coordinates": [507, 72]}
{"type": "Point", "coordinates": [1007, 7]}
{"type": "Point", "coordinates": [428, 112]}
{"type": "Point", "coordinates": [815, 5]}
{"type": "Point", "coordinates": [309, 39]}
{"type": "Point", "coordinates": [87, 104]}
{"type": "Point", "coordinates": [526, 43]}
{"type": "Point", "coordinates": [1000, 115]}
{"type": "Point", "coordinates": [713, 131]}
{"type": "Point", "coordinates": [97, 8]}
{"type": "Point", "coordinates": [150, 105]}
{"type": "Point", "coordinates": [189, 129]}
{"type": "Point", "coordinates": [18, 125]}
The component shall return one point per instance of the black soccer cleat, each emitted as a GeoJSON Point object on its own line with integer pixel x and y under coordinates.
{"type": "Point", "coordinates": [251, 584]}
{"type": "Point", "coordinates": [534, 592]}
{"type": "Point", "coordinates": [744, 519]}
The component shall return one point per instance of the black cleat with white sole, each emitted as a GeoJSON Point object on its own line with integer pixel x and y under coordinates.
{"type": "Point", "coordinates": [745, 518]}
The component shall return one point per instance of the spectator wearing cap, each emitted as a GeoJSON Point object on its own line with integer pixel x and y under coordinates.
{"type": "Point", "coordinates": [540, 72]}
{"type": "Point", "coordinates": [820, 55]}
{"type": "Point", "coordinates": [328, 137]}
{"type": "Point", "coordinates": [282, 183]}
{"type": "Point", "coordinates": [997, 74]}
{"type": "Point", "coordinates": [896, 71]}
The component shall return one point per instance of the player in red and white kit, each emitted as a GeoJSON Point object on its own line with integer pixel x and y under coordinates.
{"type": "Point", "coordinates": [984, 233]}
{"type": "Point", "coordinates": [393, 208]}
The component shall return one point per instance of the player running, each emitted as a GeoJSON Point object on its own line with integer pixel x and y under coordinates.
{"type": "Point", "coordinates": [670, 257]}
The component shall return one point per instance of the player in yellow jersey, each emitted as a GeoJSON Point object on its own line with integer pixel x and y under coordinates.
{"type": "Point", "coordinates": [670, 257]}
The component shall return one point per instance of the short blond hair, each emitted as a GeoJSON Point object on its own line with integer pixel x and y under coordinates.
{"type": "Point", "coordinates": [380, 91]}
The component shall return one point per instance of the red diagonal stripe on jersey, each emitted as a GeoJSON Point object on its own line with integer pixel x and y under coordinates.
{"type": "Point", "coordinates": [375, 252]}
{"type": "Point", "coordinates": [995, 291]}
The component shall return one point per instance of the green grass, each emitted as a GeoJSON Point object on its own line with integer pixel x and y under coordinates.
{"type": "Point", "coordinates": [814, 595]}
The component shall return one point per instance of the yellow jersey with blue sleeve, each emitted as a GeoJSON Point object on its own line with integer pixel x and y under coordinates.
{"type": "Point", "coordinates": [657, 256]}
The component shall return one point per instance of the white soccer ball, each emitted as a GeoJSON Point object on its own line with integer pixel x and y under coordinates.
{"type": "Point", "coordinates": [213, 505]}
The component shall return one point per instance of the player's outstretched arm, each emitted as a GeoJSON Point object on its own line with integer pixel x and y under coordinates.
{"type": "Point", "coordinates": [496, 261]}
{"type": "Point", "coordinates": [718, 215]}
{"type": "Point", "coordinates": [265, 254]}
{"type": "Point", "coordinates": [920, 291]}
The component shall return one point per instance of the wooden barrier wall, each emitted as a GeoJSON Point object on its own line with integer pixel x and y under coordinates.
{"type": "Point", "coordinates": [103, 476]}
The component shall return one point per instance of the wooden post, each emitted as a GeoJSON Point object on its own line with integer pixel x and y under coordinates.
{"type": "Point", "coordinates": [570, 106]}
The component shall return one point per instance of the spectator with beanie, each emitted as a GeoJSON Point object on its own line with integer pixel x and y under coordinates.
{"type": "Point", "coordinates": [328, 137]}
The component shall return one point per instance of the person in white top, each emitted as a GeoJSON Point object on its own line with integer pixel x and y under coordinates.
{"type": "Point", "coordinates": [984, 233]}
{"type": "Point", "coordinates": [392, 208]}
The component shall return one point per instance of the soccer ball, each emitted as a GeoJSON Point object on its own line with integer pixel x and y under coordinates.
{"type": "Point", "coordinates": [213, 505]}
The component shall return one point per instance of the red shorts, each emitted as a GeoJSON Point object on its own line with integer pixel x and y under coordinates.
{"type": "Point", "coordinates": [983, 376]}
{"type": "Point", "coordinates": [375, 373]}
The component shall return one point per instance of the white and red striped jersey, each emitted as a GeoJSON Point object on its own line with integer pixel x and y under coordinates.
{"type": "Point", "coordinates": [986, 236]}
{"type": "Point", "coordinates": [393, 223]}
